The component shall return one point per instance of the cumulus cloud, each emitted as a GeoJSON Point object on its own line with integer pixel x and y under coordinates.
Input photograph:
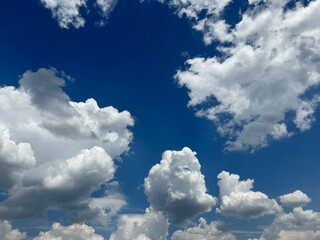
{"type": "Point", "coordinates": [149, 226]}
{"type": "Point", "coordinates": [177, 188]}
{"type": "Point", "coordinates": [14, 159]}
{"type": "Point", "coordinates": [83, 140]}
{"type": "Point", "coordinates": [212, 231]}
{"type": "Point", "coordinates": [273, 57]}
{"type": "Point", "coordinates": [7, 233]}
{"type": "Point", "coordinates": [295, 199]}
{"type": "Point", "coordinates": [296, 225]}
{"type": "Point", "coordinates": [75, 231]}
{"type": "Point", "coordinates": [61, 185]}
{"type": "Point", "coordinates": [237, 199]}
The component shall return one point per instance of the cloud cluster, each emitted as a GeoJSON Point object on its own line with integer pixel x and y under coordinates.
{"type": "Point", "coordinates": [7, 233]}
{"type": "Point", "coordinates": [69, 12]}
{"type": "Point", "coordinates": [75, 231]}
{"type": "Point", "coordinates": [212, 231]}
{"type": "Point", "coordinates": [177, 188]}
{"type": "Point", "coordinates": [272, 57]}
{"type": "Point", "coordinates": [237, 199]}
{"type": "Point", "coordinates": [297, 225]}
{"type": "Point", "coordinates": [55, 152]}
{"type": "Point", "coordinates": [149, 226]}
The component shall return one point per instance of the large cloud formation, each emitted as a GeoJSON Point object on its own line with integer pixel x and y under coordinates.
{"type": "Point", "coordinates": [177, 188]}
{"type": "Point", "coordinates": [55, 152]}
{"type": "Point", "coordinates": [68, 12]}
{"type": "Point", "coordinates": [272, 56]}
{"type": "Point", "coordinates": [237, 199]}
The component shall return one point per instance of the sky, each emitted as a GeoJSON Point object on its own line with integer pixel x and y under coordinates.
{"type": "Point", "coordinates": [159, 119]}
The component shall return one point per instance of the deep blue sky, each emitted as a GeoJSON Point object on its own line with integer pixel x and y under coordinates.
{"type": "Point", "coordinates": [130, 64]}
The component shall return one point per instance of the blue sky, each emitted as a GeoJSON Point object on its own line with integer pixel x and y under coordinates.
{"type": "Point", "coordinates": [234, 81]}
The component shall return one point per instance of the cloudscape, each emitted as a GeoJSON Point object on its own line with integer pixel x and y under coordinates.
{"type": "Point", "coordinates": [159, 120]}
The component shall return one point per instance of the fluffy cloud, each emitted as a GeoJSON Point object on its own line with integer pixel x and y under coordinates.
{"type": "Point", "coordinates": [75, 231]}
{"type": "Point", "coordinates": [83, 140]}
{"type": "Point", "coordinates": [176, 186]}
{"type": "Point", "coordinates": [296, 225]}
{"type": "Point", "coordinates": [14, 159]}
{"type": "Point", "coordinates": [295, 199]}
{"type": "Point", "coordinates": [148, 226]}
{"type": "Point", "coordinates": [212, 231]}
{"type": "Point", "coordinates": [237, 199]}
{"type": "Point", "coordinates": [273, 57]}
{"type": "Point", "coordinates": [62, 184]}
{"type": "Point", "coordinates": [6, 232]}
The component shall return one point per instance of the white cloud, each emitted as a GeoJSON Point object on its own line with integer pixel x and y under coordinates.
{"type": "Point", "coordinates": [14, 159]}
{"type": "Point", "coordinates": [82, 138]}
{"type": "Point", "coordinates": [62, 185]}
{"type": "Point", "coordinates": [177, 188]}
{"type": "Point", "coordinates": [152, 225]}
{"type": "Point", "coordinates": [299, 235]}
{"type": "Point", "coordinates": [67, 12]}
{"type": "Point", "coordinates": [274, 57]}
{"type": "Point", "coordinates": [204, 231]}
{"type": "Point", "coordinates": [106, 7]}
{"type": "Point", "coordinates": [192, 8]}
{"type": "Point", "coordinates": [7, 233]}
{"type": "Point", "coordinates": [296, 225]}
{"type": "Point", "coordinates": [295, 199]}
{"type": "Point", "coordinates": [72, 232]}
{"type": "Point", "coordinates": [237, 199]}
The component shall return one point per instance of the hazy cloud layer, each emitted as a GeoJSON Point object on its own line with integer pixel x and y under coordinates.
{"type": "Point", "coordinates": [177, 188]}
{"type": "Point", "coordinates": [273, 57]}
{"type": "Point", "coordinates": [237, 199]}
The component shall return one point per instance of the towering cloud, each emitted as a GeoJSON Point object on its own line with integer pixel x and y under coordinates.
{"type": "Point", "coordinates": [177, 188]}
